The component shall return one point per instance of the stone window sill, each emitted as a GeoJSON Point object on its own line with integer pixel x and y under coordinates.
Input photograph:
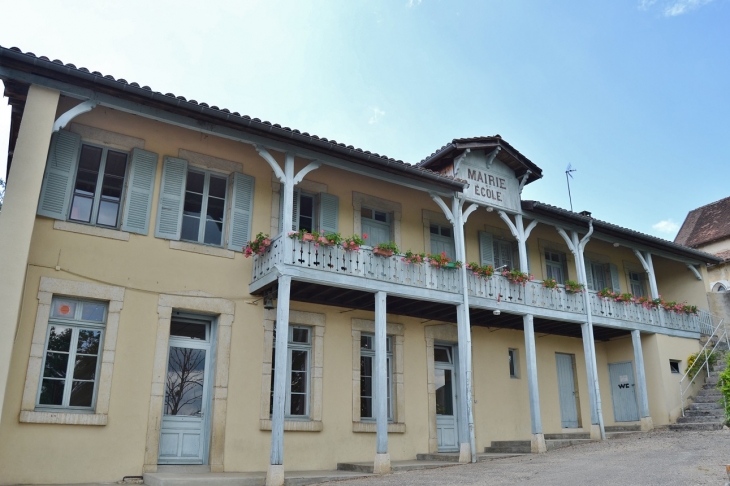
{"type": "Point", "coordinates": [91, 230]}
{"type": "Point", "coordinates": [201, 249]}
{"type": "Point", "coordinates": [295, 425]}
{"type": "Point", "coordinates": [64, 418]}
{"type": "Point", "coordinates": [369, 427]}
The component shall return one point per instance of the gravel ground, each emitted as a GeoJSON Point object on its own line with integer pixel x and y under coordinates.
{"type": "Point", "coordinates": [657, 458]}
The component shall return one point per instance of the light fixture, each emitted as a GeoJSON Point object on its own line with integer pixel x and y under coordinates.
{"type": "Point", "coordinates": [616, 245]}
{"type": "Point", "coordinates": [497, 312]}
{"type": "Point", "coordinates": [269, 301]}
{"type": "Point", "coordinates": [490, 209]}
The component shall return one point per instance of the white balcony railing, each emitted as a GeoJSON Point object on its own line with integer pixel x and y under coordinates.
{"type": "Point", "coordinates": [497, 289]}
{"type": "Point", "coordinates": [362, 263]}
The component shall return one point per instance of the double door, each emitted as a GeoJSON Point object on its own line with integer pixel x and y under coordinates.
{"type": "Point", "coordinates": [185, 427]}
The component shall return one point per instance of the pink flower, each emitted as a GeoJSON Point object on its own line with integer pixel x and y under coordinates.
{"type": "Point", "coordinates": [365, 236]}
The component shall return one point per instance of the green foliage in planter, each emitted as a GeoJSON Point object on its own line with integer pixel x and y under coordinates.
{"type": "Point", "coordinates": [696, 361]}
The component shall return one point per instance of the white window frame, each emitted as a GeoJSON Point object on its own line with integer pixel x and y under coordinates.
{"type": "Point", "coordinates": [370, 353]}
{"type": "Point", "coordinates": [316, 323]}
{"type": "Point", "coordinates": [371, 220]}
{"type": "Point", "coordinates": [439, 236]}
{"type": "Point", "coordinates": [551, 265]}
{"type": "Point", "coordinates": [291, 347]}
{"type": "Point", "coordinates": [49, 287]}
{"type": "Point", "coordinates": [500, 246]}
{"type": "Point", "coordinates": [678, 363]}
{"type": "Point", "coordinates": [76, 324]}
{"type": "Point", "coordinates": [204, 206]}
{"type": "Point", "coordinates": [638, 281]}
{"type": "Point", "coordinates": [360, 200]}
{"type": "Point", "coordinates": [96, 200]}
{"type": "Point", "coordinates": [598, 270]}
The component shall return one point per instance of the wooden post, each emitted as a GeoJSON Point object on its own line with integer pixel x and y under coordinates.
{"type": "Point", "coordinates": [288, 200]}
{"type": "Point", "coordinates": [382, 458]}
{"type": "Point", "coordinates": [538, 439]}
{"type": "Point", "coordinates": [646, 422]}
{"type": "Point", "coordinates": [589, 374]}
{"type": "Point", "coordinates": [275, 475]}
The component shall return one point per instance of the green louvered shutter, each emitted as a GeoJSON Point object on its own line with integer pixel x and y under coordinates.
{"type": "Point", "coordinates": [241, 211]}
{"type": "Point", "coordinates": [615, 281]}
{"type": "Point", "coordinates": [138, 201]}
{"type": "Point", "coordinates": [59, 176]}
{"type": "Point", "coordinates": [589, 274]}
{"type": "Point", "coordinates": [486, 248]}
{"type": "Point", "coordinates": [172, 195]}
{"type": "Point", "coordinates": [329, 209]}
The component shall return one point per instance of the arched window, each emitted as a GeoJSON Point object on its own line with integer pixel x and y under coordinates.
{"type": "Point", "coordinates": [719, 288]}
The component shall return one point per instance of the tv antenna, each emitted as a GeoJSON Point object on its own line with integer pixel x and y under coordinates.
{"type": "Point", "coordinates": [569, 176]}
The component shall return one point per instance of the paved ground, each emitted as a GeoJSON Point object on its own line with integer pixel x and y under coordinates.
{"type": "Point", "coordinates": [659, 458]}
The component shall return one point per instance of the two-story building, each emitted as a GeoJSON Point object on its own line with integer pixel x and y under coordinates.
{"type": "Point", "coordinates": [135, 332]}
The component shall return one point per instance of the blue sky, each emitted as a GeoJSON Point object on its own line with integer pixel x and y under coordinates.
{"type": "Point", "coordinates": [633, 93]}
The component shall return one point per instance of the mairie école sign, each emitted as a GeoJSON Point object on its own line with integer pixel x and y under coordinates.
{"type": "Point", "coordinates": [496, 186]}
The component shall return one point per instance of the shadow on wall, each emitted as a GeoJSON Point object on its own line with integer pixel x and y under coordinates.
{"type": "Point", "coordinates": [720, 304]}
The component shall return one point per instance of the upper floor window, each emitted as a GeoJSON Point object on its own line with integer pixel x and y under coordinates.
{"type": "Point", "coordinates": [442, 240]}
{"type": "Point", "coordinates": [98, 188]}
{"type": "Point", "coordinates": [72, 354]}
{"type": "Point", "coordinates": [503, 254]}
{"type": "Point", "coordinates": [602, 275]}
{"type": "Point", "coordinates": [204, 207]}
{"type": "Point", "coordinates": [636, 281]}
{"type": "Point", "coordinates": [96, 185]}
{"type": "Point", "coordinates": [377, 225]}
{"type": "Point", "coordinates": [555, 266]}
{"type": "Point", "coordinates": [367, 376]}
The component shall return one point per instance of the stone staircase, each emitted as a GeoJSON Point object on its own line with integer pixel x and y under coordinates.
{"type": "Point", "coordinates": [557, 441]}
{"type": "Point", "coordinates": [706, 412]}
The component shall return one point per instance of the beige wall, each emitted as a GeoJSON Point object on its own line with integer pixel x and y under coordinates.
{"type": "Point", "coordinates": [146, 266]}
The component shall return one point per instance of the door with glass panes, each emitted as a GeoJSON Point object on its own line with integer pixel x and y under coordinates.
{"type": "Point", "coordinates": [447, 427]}
{"type": "Point", "coordinates": [185, 427]}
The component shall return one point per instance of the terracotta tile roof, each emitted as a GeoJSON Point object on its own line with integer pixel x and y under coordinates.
{"type": "Point", "coordinates": [705, 224]}
{"type": "Point", "coordinates": [201, 108]}
{"type": "Point", "coordinates": [725, 255]}
{"type": "Point", "coordinates": [610, 228]}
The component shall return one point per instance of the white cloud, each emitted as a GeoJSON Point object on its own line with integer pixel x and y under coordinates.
{"type": "Point", "coordinates": [413, 2]}
{"type": "Point", "coordinates": [674, 8]}
{"type": "Point", "coordinates": [377, 114]}
{"type": "Point", "coordinates": [666, 226]}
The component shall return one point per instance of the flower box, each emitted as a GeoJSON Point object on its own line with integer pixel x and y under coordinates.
{"type": "Point", "coordinates": [382, 252]}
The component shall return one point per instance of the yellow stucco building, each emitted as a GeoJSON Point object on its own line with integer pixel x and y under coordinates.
{"type": "Point", "coordinates": [135, 332]}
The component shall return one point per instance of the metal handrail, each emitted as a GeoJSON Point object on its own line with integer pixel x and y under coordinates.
{"type": "Point", "coordinates": [706, 364]}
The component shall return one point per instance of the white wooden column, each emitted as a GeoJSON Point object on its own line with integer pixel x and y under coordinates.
{"type": "Point", "coordinates": [467, 440]}
{"type": "Point", "coordinates": [275, 474]}
{"type": "Point", "coordinates": [646, 262]}
{"type": "Point", "coordinates": [576, 246]}
{"type": "Point", "coordinates": [520, 234]}
{"type": "Point", "coordinates": [381, 464]}
{"type": "Point", "coordinates": [646, 422]}
{"type": "Point", "coordinates": [538, 439]}
{"type": "Point", "coordinates": [19, 214]}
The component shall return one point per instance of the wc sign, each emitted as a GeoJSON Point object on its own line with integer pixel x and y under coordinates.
{"type": "Point", "coordinates": [623, 381]}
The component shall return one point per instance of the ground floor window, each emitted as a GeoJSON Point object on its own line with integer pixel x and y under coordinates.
{"type": "Point", "coordinates": [367, 377]}
{"type": "Point", "coordinates": [72, 354]}
{"type": "Point", "coordinates": [299, 349]}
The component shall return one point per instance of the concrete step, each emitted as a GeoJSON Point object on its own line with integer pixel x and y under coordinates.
{"type": "Point", "coordinates": [709, 392]}
{"type": "Point", "coordinates": [569, 435]}
{"type": "Point", "coordinates": [622, 428]}
{"type": "Point", "coordinates": [453, 457]}
{"type": "Point", "coordinates": [624, 434]}
{"type": "Point", "coordinates": [708, 398]}
{"type": "Point", "coordinates": [395, 466]}
{"type": "Point", "coordinates": [560, 443]}
{"type": "Point", "coordinates": [715, 412]}
{"type": "Point", "coordinates": [292, 478]}
{"type": "Point", "coordinates": [705, 406]}
{"type": "Point", "coordinates": [687, 419]}
{"type": "Point", "coordinates": [509, 447]}
{"type": "Point", "coordinates": [695, 426]}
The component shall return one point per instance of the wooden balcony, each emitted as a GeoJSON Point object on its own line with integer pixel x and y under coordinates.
{"type": "Point", "coordinates": [362, 272]}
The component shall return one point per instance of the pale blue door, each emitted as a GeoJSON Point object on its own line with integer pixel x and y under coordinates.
{"type": "Point", "coordinates": [566, 391]}
{"type": "Point", "coordinates": [184, 435]}
{"type": "Point", "coordinates": [623, 392]}
{"type": "Point", "coordinates": [446, 406]}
